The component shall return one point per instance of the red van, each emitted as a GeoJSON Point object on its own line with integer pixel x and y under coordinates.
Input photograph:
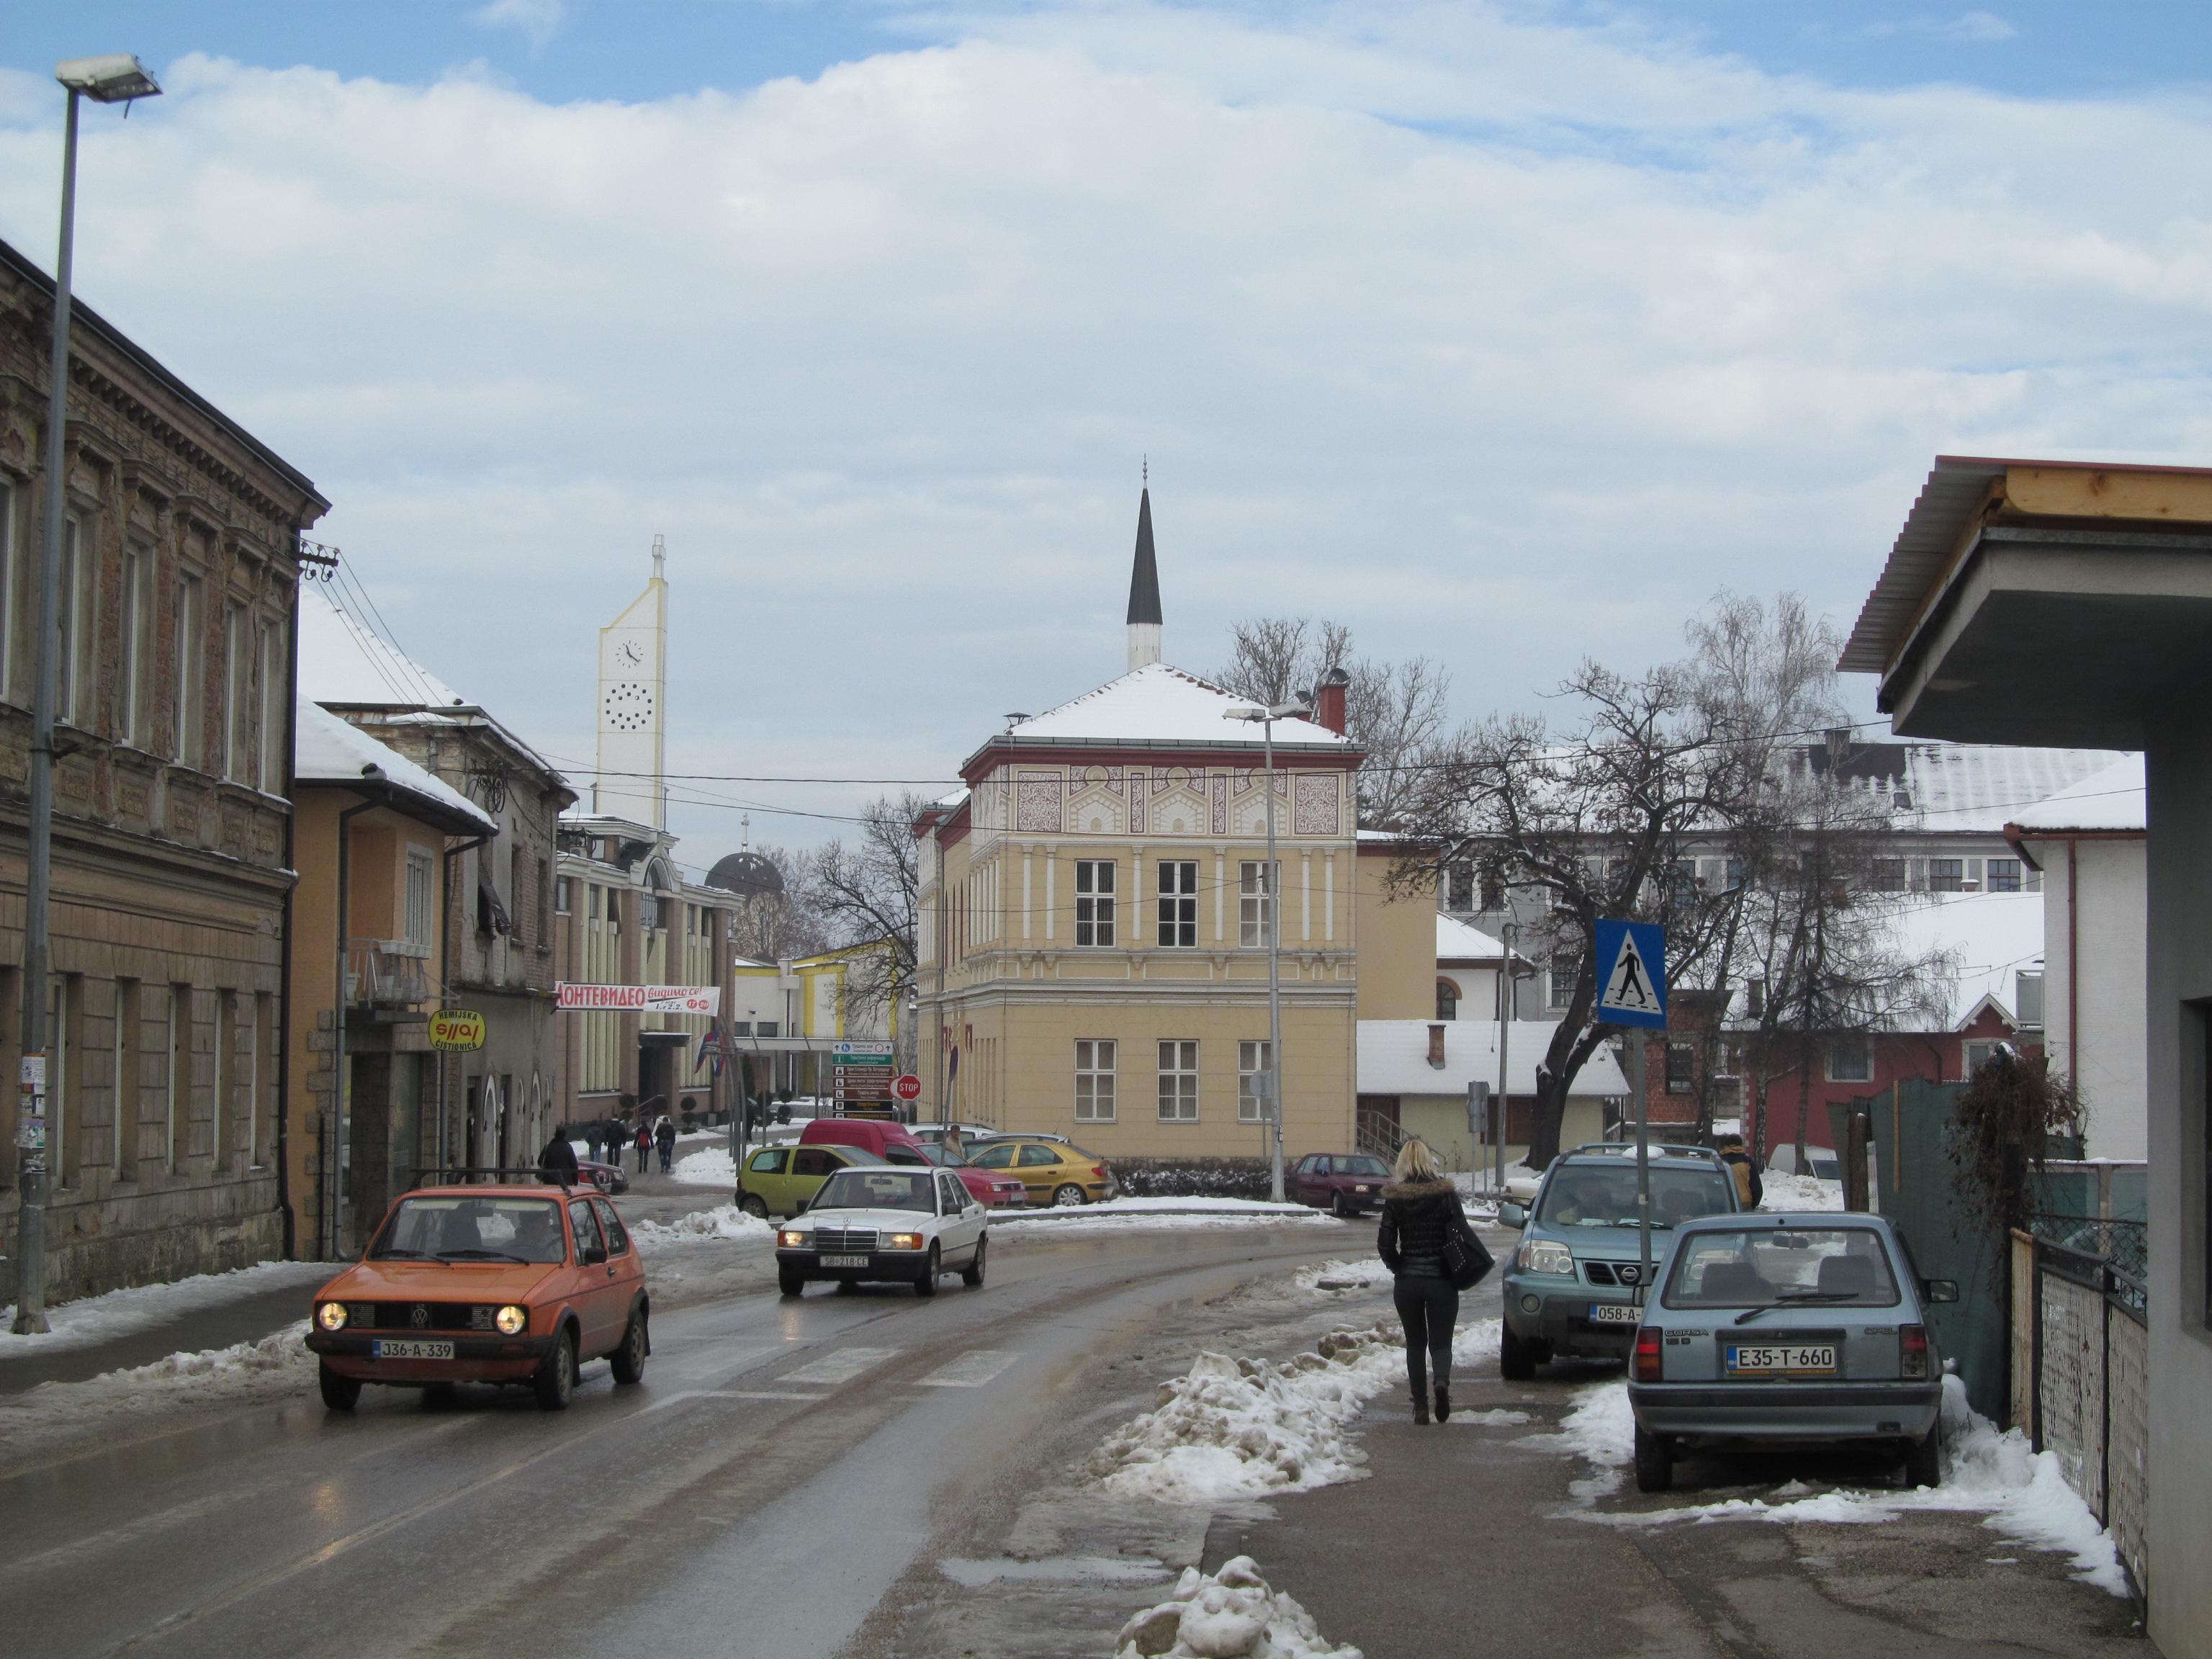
{"type": "Point", "coordinates": [895, 1144]}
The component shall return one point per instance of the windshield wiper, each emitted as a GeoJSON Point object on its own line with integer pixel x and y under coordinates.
{"type": "Point", "coordinates": [1788, 1299]}
{"type": "Point", "coordinates": [482, 1255]}
{"type": "Point", "coordinates": [391, 1252]}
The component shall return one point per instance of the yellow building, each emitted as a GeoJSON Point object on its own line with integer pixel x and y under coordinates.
{"type": "Point", "coordinates": [785, 1015]}
{"type": "Point", "coordinates": [1093, 943]}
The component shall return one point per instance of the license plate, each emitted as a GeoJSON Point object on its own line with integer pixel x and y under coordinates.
{"type": "Point", "coordinates": [1780, 1359]}
{"type": "Point", "coordinates": [844, 1261]}
{"type": "Point", "coordinates": [389, 1348]}
{"type": "Point", "coordinates": [1364, 1190]}
{"type": "Point", "coordinates": [1613, 1313]}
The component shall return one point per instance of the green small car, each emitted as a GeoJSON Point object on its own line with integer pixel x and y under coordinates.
{"type": "Point", "coordinates": [783, 1180]}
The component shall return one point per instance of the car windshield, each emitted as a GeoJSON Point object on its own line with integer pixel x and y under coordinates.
{"type": "Point", "coordinates": [1370, 1167]}
{"type": "Point", "coordinates": [943, 1159]}
{"type": "Point", "coordinates": [1767, 1266]}
{"type": "Point", "coordinates": [879, 1190]}
{"type": "Point", "coordinates": [1593, 1196]}
{"type": "Point", "coordinates": [460, 1227]}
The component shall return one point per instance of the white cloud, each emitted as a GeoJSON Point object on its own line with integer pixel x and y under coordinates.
{"type": "Point", "coordinates": [1505, 342]}
{"type": "Point", "coordinates": [537, 21]}
{"type": "Point", "coordinates": [1981, 26]}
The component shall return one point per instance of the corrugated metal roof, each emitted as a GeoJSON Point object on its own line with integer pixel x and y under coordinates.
{"type": "Point", "coordinates": [1955, 489]}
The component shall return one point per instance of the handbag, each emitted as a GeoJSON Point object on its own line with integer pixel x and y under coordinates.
{"type": "Point", "coordinates": [1466, 1261]}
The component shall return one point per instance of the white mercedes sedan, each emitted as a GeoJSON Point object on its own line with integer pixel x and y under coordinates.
{"type": "Point", "coordinates": [877, 1224]}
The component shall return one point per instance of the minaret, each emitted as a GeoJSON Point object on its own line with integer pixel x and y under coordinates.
{"type": "Point", "coordinates": [1144, 591]}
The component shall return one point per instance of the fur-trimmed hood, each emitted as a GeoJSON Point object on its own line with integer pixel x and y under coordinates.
{"type": "Point", "coordinates": [1414, 1191]}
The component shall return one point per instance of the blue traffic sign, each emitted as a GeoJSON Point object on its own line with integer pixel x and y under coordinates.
{"type": "Point", "coordinates": [1631, 974]}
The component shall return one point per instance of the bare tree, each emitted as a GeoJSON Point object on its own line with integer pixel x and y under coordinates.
{"type": "Point", "coordinates": [773, 926]}
{"type": "Point", "coordinates": [868, 894]}
{"type": "Point", "coordinates": [1275, 658]}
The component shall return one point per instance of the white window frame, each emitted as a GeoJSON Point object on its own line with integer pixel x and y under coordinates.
{"type": "Point", "coordinates": [1178, 1079]}
{"type": "Point", "coordinates": [1094, 903]}
{"type": "Point", "coordinates": [1255, 888]}
{"type": "Point", "coordinates": [1095, 1079]}
{"type": "Point", "coordinates": [1177, 903]}
{"type": "Point", "coordinates": [422, 898]}
{"type": "Point", "coordinates": [2014, 870]}
{"type": "Point", "coordinates": [1976, 1052]}
{"type": "Point", "coordinates": [1862, 1070]}
{"type": "Point", "coordinates": [1251, 1064]}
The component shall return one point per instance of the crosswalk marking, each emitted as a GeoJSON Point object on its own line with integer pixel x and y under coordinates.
{"type": "Point", "coordinates": [843, 1366]}
{"type": "Point", "coordinates": [970, 1370]}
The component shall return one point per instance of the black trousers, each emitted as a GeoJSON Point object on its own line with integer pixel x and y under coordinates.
{"type": "Point", "coordinates": [1428, 1308]}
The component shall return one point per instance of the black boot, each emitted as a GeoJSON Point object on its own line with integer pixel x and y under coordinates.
{"type": "Point", "coordinates": [1444, 1402]}
{"type": "Point", "coordinates": [1420, 1406]}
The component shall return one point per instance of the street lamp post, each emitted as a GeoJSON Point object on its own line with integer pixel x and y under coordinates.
{"type": "Point", "coordinates": [1267, 717]}
{"type": "Point", "coordinates": [112, 80]}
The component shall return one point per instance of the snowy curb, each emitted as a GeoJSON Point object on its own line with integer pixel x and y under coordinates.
{"type": "Point", "coordinates": [1155, 1209]}
{"type": "Point", "coordinates": [1229, 1614]}
{"type": "Point", "coordinates": [96, 1319]}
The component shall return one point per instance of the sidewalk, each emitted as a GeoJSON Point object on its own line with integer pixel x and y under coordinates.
{"type": "Point", "coordinates": [135, 1328]}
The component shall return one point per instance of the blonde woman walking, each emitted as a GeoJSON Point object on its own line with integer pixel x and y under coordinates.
{"type": "Point", "coordinates": [1426, 1243]}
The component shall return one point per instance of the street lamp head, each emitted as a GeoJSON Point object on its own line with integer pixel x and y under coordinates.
{"type": "Point", "coordinates": [1281, 711]}
{"type": "Point", "coordinates": [116, 78]}
{"type": "Point", "coordinates": [1243, 713]}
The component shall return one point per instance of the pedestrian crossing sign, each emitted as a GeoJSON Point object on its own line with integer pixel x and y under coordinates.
{"type": "Point", "coordinates": [1631, 963]}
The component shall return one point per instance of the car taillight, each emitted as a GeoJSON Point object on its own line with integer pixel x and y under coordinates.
{"type": "Point", "coordinates": [1646, 1366]}
{"type": "Point", "coordinates": [1912, 1352]}
{"type": "Point", "coordinates": [1098, 1172]}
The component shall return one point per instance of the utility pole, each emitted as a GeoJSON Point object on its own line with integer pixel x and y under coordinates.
{"type": "Point", "coordinates": [1267, 717]}
{"type": "Point", "coordinates": [115, 79]}
{"type": "Point", "coordinates": [1502, 1109]}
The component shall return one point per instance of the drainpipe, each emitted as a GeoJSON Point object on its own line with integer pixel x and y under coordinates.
{"type": "Point", "coordinates": [285, 1205]}
{"type": "Point", "coordinates": [447, 971]}
{"type": "Point", "coordinates": [327, 1230]}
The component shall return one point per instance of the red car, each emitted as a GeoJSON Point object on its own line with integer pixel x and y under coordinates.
{"type": "Point", "coordinates": [1344, 1184]}
{"type": "Point", "coordinates": [895, 1144]}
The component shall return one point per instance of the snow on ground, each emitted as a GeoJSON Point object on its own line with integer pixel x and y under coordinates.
{"type": "Point", "coordinates": [278, 1364]}
{"type": "Point", "coordinates": [710, 1166]}
{"type": "Point", "coordinates": [1799, 1192]}
{"type": "Point", "coordinates": [121, 1313]}
{"type": "Point", "coordinates": [1334, 1278]}
{"type": "Point", "coordinates": [725, 1221]}
{"type": "Point", "coordinates": [2022, 1491]}
{"type": "Point", "coordinates": [1120, 1213]}
{"type": "Point", "coordinates": [1230, 1614]}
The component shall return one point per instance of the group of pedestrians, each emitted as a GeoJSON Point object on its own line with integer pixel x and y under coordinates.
{"type": "Point", "coordinates": [608, 1137]}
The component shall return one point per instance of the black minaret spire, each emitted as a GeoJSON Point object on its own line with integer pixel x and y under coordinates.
{"type": "Point", "coordinates": [1144, 589]}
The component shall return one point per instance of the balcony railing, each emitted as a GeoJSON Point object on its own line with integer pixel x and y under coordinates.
{"type": "Point", "coordinates": [386, 973]}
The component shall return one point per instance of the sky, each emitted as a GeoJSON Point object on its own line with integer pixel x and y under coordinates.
{"type": "Point", "coordinates": [1506, 333]}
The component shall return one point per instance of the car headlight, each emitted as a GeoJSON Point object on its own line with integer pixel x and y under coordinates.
{"type": "Point", "coordinates": [904, 1242]}
{"type": "Point", "coordinates": [512, 1320]}
{"type": "Point", "coordinates": [331, 1316]}
{"type": "Point", "coordinates": [791, 1239]}
{"type": "Point", "coordinates": [1545, 1255]}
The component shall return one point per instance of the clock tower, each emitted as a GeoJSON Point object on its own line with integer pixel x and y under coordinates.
{"type": "Point", "coordinates": [633, 686]}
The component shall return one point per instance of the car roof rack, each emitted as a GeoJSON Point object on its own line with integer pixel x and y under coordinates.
{"type": "Point", "coordinates": [1659, 1149]}
{"type": "Point", "coordinates": [488, 1175]}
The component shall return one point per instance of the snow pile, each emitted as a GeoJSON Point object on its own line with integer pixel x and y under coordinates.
{"type": "Point", "coordinates": [1997, 1472]}
{"type": "Point", "coordinates": [121, 1313]}
{"type": "Point", "coordinates": [276, 1364]}
{"type": "Point", "coordinates": [1334, 1278]}
{"type": "Point", "coordinates": [1799, 1192]}
{"type": "Point", "coordinates": [1244, 1428]}
{"type": "Point", "coordinates": [724, 1221]}
{"type": "Point", "coordinates": [1229, 1614]}
{"type": "Point", "coordinates": [281, 1351]}
{"type": "Point", "coordinates": [1172, 1213]}
{"type": "Point", "coordinates": [711, 1166]}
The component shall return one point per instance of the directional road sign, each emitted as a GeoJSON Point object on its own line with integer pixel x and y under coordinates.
{"type": "Point", "coordinates": [1631, 974]}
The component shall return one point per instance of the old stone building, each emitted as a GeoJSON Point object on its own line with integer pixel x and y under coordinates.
{"type": "Point", "coordinates": [171, 827]}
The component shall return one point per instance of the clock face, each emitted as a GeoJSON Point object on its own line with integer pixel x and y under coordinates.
{"type": "Point", "coordinates": [631, 652]}
{"type": "Point", "coordinates": [629, 707]}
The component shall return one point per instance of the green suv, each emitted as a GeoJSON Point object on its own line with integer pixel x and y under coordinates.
{"type": "Point", "coordinates": [1570, 1287]}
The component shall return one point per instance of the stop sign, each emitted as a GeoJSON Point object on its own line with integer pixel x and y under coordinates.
{"type": "Point", "coordinates": [908, 1087]}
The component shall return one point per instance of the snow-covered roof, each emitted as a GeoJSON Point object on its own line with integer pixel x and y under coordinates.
{"type": "Point", "coordinates": [1989, 937]}
{"type": "Point", "coordinates": [326, 749]}
{"type": "Point", "coordinates": [341, 660]}
{"type": "Point", "coordinates": [1961, 787]}
{"type": "Point", "coordinates": [2110, 800]}
{"type": "Point", "coordinates": [1394, 1059]}
{"type": "Point", "coordinates": [1457, 942]}
{"type": "Point", "coordinates": [1159, 704]}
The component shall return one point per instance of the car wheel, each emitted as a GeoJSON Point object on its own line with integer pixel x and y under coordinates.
{"type": "Point", "coordinates": [927, 1284]}
{"type": "Point", "coordinates": [1337, 1207]}
{"type": "Point", "coordinates": [340, 1393]}
{"type": "Point", "coordinates": [1655, 1461]}
{"type": "Point", "coordinates": [754, 1205]}
{"type": "Point", "coordinates": [1924, 1458]}
{"type": "Point", "coordinates": [789, 1282]}
{"type": "Point", "coordinates": [1066, 1196]}
{"type": "Point", "coordinates": [1515, 1364]}
{"type": "Point", "coordinates": [556, 1382]}
{"type": "Point", "coordinates": [972, 1275]}
{"type": "Point", "coordinates": [628, 1360]}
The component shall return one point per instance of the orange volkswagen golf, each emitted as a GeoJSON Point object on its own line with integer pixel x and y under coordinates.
{"type": "Point", "coordinates": [515, 1285]}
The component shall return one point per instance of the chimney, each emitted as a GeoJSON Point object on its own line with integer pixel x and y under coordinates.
{"type": "Point", "coordinates": [1328, 704]}
{"type": "Point", "coordinates": [1437, 1046]}
{"type": "Point", "coordinates": [1143, 592]}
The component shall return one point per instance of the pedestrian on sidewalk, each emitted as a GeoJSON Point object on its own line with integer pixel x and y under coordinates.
{"type": "Point", "coordinates": [644, 1143]}
{"type": "Point", "coordinates": [664, 1137]}
{"type": "Point", "coordinates": [596, 1138]}
{"type": "Point", "coordinates": [1433, 1254]}
{"type": "Point", "coordinates": [557, 1163]}
{"type": "Point", "coordinates": [1749, 1188]}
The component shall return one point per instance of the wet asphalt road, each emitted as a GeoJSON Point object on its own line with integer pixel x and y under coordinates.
{"type": "Point", "coordinates": [780, 1468]}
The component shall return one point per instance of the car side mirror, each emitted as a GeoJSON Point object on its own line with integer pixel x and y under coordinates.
{"type": "Point", "coordinates": [592, 1255]}
{"type": "Point", "coordinates": [1941, 1289]}
{"type": "Point", "coordinates": [1512, 1215]}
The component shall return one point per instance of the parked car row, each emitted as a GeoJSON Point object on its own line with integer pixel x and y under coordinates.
{"type": "Point", "coordinates": [1759, 1329]}
{"type": "Point", "coordinates": [1004, 1172]}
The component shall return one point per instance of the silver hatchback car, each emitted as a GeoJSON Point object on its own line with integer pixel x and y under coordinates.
{"type": "Point", "coordinates": [1788, 1329]}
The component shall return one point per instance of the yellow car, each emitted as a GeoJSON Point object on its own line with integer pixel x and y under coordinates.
{"type": "Point", "coordinates": [1052, 1171]}
{"type": "Point", "coordinates": [783, 1180]}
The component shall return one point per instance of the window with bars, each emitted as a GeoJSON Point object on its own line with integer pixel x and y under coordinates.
{"type": "Point", "coordinates": [1252, 1064]}
{"type": "Point", "coordinates": [1179, 1080]}
{"type": "Point", "coordinates": [1094, 1080]}
{"type": "Point", "coordinates": [1255, 898]}
{"type": "Point", "coordinates": [1178, 904]}
{"type": "Point", "coordinates": [1094, 902]}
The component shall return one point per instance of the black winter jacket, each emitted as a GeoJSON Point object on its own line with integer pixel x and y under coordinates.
{"type": "Point", "coordinates": [1417, 1216]}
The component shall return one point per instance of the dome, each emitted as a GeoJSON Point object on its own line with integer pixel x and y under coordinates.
{"type": "Point", "coordinates": [746, 873]}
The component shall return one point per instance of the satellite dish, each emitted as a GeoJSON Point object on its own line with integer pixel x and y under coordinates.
{"type": "Point", "coordinates": [748, 874]}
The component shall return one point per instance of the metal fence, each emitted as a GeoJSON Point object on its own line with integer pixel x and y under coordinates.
{"type": "Point", "coordinates": [2080, 1366]}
